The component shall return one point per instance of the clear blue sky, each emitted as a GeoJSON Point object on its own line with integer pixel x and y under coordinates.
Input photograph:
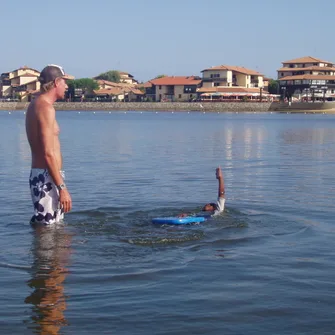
{"type": "Point", "coordinates": [174, 37]}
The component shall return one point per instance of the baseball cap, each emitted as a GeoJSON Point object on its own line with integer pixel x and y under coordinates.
{"type": "Point", "coordinates": [51, 72]}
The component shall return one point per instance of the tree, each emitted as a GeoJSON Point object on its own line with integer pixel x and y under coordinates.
{"type": "Point", "coordinates": [86, 84]}
{"type": "Point", "coordinates": [78, 87]}
{"type": "Point", "coordinates": [111, 75]}
{"type": "Point", "coordinates": [273, 87]}
{"type": "Point", "coordinates": [160, 76]}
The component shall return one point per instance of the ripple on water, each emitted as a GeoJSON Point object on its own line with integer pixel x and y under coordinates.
{"type": "Point", "coordinates": [135, 227]}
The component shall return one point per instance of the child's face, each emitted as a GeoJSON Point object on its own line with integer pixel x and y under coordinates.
{"type": "Point", "coordinates": [208, 208]}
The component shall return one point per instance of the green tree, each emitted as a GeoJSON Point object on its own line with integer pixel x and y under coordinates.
{"type": "Point", "coordinates": [86, 84]}
{"type": "Point", "coordinates": [273, 86]}
{"type": "Point", "coordinates": [111, 75]}
{"type": "Point", "coordinates": [160, 76]}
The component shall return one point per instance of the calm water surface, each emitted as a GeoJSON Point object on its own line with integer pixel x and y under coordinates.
{"type": "Point", "coordinates": [266, 266]}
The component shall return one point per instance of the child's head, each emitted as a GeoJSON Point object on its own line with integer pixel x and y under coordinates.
{"type": "Point", "coordinates": [210, 207]}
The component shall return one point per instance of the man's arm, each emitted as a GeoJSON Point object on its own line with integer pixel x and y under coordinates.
{"type": "Point", "coordinates": [46, 126]}
{"type": "Point", "coordinates": [219, 177]}
{"type": "Point", "coordinates": [47, 132]}
{"type": "Point", "coordinates": [221, 193]}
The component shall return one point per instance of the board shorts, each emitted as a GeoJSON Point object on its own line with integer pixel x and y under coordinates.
{"type": "Point", "coordinates": [45, 197]}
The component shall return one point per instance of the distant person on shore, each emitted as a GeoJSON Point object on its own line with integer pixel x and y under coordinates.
{"type": "Point", "coordinates": [49, 194]}
{"type": "Point", "coordinates": [213, 209]}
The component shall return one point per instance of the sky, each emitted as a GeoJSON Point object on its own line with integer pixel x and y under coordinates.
{"type": "Point", "coordinates": [176, 37]}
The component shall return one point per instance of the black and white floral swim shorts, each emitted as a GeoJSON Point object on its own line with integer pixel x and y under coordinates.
{"type": "Point", "coordinates": [45, 197]}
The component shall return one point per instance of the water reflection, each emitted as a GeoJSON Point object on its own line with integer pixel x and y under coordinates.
{"type": "Point", "coordinates": [321, 135]}
{"type": "Point", "coordinates": [51, 251]}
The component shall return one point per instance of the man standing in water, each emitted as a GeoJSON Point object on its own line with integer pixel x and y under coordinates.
{"type": "Point", "coordinates": [50, 196]}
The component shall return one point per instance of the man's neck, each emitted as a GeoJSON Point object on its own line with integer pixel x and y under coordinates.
{"type": "Point", "coordinates": [50, 97]}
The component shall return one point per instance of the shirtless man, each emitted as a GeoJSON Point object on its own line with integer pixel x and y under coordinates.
{"type": "Point", "coordinates": [50, 196]}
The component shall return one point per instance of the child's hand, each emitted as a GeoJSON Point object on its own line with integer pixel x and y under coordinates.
{"type": "Point", "coordinates": [218, 173]}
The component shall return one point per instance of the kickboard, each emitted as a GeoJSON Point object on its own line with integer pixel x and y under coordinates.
{"type": "Point", "coordinates": [177, 220]}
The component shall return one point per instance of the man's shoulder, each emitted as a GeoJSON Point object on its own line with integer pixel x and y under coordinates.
{"type": "Point", "coordinates": [41, 105]}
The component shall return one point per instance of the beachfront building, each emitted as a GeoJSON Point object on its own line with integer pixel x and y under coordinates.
{"type": "Point", "coordinates": [117, 94]}
{"type": "Point", "coordinates": [172, 88]}
{"type": "Point", "coordinates": [123, 91]}
{"type": "Point", "coordinates": [149, 89]}
{"type": "Point", "coordinates": [19, 83]}
{"type": "Point", "coordinates": [266, 82]}
{"type": "Point", "coordinates": [109, 94]}
{"type": "Point", "coordinates": [231, 76]}
{"type": "Point", "coordinates": [110, 91]}
{"type": "Point", "coordinates": [5, 87]}
{"type": "Point", "coordinates": [235, 94]}
{"type": "Point", "coordinates": [307, 78]}
{"type": "Point", "coordinates": [127, 78]}
{"type": "Point", "coordinates": [105, 84]}
{"type": "Point", "coordinates": [226, 82]}
{"type": "Point", "coordinates": [27, 91]}
{"type": "Point", "coordinates": [135, 94]}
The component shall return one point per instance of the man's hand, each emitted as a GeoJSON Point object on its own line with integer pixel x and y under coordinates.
{"type": "Point", "coordinates": [65, 200]}
{"type": "Point", "coordinates": [218, 173]}
{"type": "Point", "coordinates": [182, 215]}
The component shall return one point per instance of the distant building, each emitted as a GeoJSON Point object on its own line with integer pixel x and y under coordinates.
{"type": "Point", "coordinates": [110, 91]}
{"type": "Point", "coordinates": [226, 82]}
{"type": "Point", "coordinates": [27, 90]}
{"type": "Point", "coordinates": [110, 94]}
{"type": "Point", "coordinates": [135, 94]}
{"type": "Point", "coordinates": [234, 94]}
{"type": "Point", "coordinates": [308, 77]}
{"type": "Point", "coordinates": [5, 86]}
{"type": "Point", "coordinates": [105, 84]}
{"type": "Point", "coordinates": [149, 89]}
{"type": "Point", "coordinates": [174, 88]}
{"type": "Point", "coordinates": [266, 82]}
{"type": "Point", "coordinates": [19, 83]}
{"type": "Point", "coordinates": [230, 76]}
{"type": "Point", "coordinates": [127, 78]}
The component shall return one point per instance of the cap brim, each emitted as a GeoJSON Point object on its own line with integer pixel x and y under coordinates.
{"type": "Point", "coordinates": [67, 77]}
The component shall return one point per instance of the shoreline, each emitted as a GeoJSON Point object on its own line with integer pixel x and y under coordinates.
{"type": "Point", "coordinates": [240, 107]}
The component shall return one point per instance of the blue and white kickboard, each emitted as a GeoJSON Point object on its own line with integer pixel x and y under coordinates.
{"type": "Point", "coordinates": [177, 220]}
